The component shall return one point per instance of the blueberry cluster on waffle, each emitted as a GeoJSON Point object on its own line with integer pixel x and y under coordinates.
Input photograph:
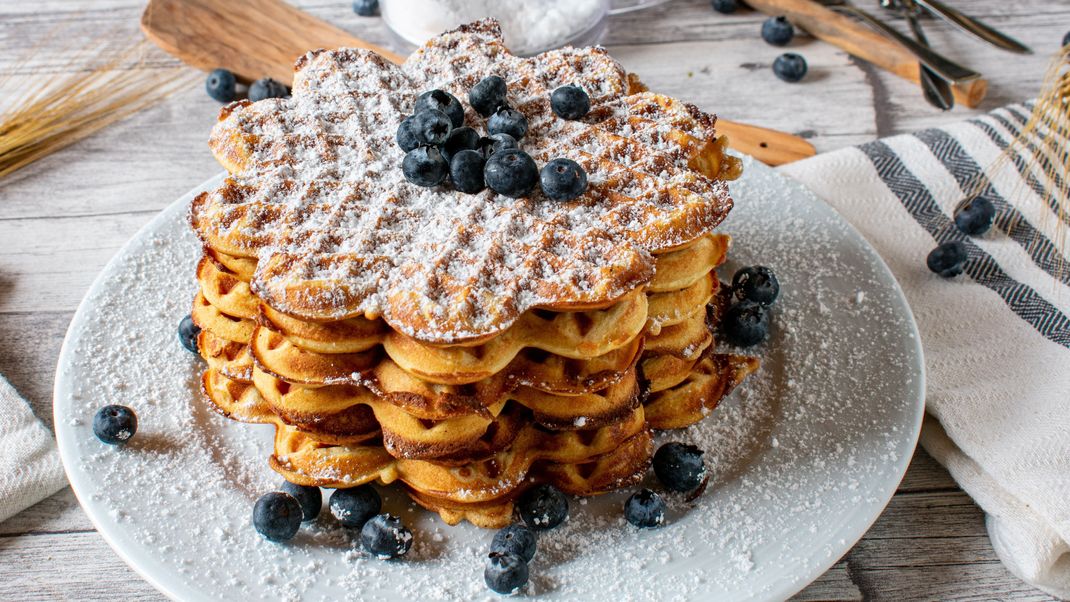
{"type": "Point", "coordinates": [466, 346]}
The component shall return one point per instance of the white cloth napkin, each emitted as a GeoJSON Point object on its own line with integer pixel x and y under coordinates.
{"type": "Point", "coordinates": [996, 339]}
{"type": "Point", "coordinates": [30, 469]}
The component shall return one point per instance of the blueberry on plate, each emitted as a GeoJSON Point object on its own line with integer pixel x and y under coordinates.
{"type": "Point", "coordinates": [267, 88]}
{"type": "Point", "coordinates": [679, 466]}
{"type": "Point", "coordinates": [645, 509]}
{"type": "Point", "coordinates": [511, 173]}
{"type": "Point", "coordinates": [790, 67]}
{"type": "Point", "coordinates": [220, 85]}
{"type": "Point", "coordinates": [486, 96]}
{"type": "Point", "coordinates": [408, 137]}
{"type": "Point", "coordinates": [466, 171]}
{"type": "Point", "coordinates": [187, 334]}
{"type": "Point", "coordinates": [366, 8]}
{"type": "Point", "coordinates": [277, 516]}
{"type": "Point", "coordinates": [114, 424]}
{"type": "Point", "coordinates": [424, 166]}
{"type": "Point", "coordinates": [432, 126]}
{"type": "Point", "coordinates": [562, 180]}
{"type": "Point", "coordinates": [745, 324]}
{"type": "Point", "coordinates": [355, 506]}
{"type": "Point", "coordinates": [948, 259]}
{"type": "Point", "coordinates": [508, 121]}
{"type": "Point", "coordinates": [777, 31]}
{"type": "Point", "coordinates": [756, 283]}
{"type": "Point", "coordinates": [490, 145]}
{"type": "Point", "coordinates": [725, 6]}
{"type": "Point", "coordinates": [515, 539]}
{"type": "Point", "coordinates": [570, 102]}
{"type": "Point", "coordinates": [459, 139]}
{"type": "Point", "coordinates": [440, 100]}
{"type": "Point", "coordinates": [505, 573]}
{"type": "Point", "coordinates": [543, 507]}
{"type": "Point", "coordinates": [310, 498]}
{"type": "Point", "coordinates": [975, 216]}
{"type": "Point", "coordinates": [384, 536]}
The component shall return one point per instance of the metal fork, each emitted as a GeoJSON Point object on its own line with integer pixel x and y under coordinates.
{"type": "Point", "coordinates": [936, 90]}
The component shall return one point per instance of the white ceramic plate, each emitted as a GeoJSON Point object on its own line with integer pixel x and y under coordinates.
{"type": "Point", "coordinates": [803, 457]}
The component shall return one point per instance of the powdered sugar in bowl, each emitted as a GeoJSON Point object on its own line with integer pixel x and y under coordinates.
{"type": "Point", "coordinates": [530, 26]}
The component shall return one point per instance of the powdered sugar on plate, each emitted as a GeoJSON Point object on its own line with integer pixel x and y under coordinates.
{"type": "Point", "coordinates": [802, 458]}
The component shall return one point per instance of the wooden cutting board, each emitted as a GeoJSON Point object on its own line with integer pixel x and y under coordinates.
{"type": "Point", "coordinates": [262, 38]}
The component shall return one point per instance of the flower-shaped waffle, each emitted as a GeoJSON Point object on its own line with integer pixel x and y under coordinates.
{"type": "Point", "coordinates": [317, 193]}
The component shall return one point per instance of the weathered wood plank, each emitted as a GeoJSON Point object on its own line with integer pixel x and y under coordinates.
{"type": "Point", "coordinates": [834, 586]}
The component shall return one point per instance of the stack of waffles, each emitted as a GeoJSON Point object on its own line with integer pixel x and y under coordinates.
{"type": "Point", "coordinates": [466, 346]}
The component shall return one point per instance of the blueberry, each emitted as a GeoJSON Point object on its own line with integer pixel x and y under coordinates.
{"type": "Point", "coordinates": [679, 466]}
{"type": "Point", "coordinates": [440, 100]}
{"type": "Point", "coordinates": [386, 537]}
{"type": "Point", "coordinates": [466, 171]}
{"type": "Point", "coordinates": [490, 145]}
{"type": "Point", "coordinates": [975, 216]}
{"type": "Point", "coordinates": [277, 516]}
{"type": "Point", "coordinates": [114, 424]}
{"type": "Point", "coordinates": [745, 324]}
{"type": "Point", "coordinates": [948, 259]}
{"type": "Point", "coordinates": [756, 283]}
{"type": "Point", "coordinates": [267, 88]}
{"type": "Point", "coordinates": [505, 573]}
{"type": "Point", "coordinates": [511, 172]}
{"type": "Point", "coordinates": [355, 506]}
{"type": "Point", "coordinates": [570, 102]}
{"type": "Point", "coordinates": [790, 67]}
{"type": "Point", "coordinates": [220, 85]}
{"type": "Point", "coordinates": [432, 126]}
{"type": "Point", "coordinates": [310, 498]}
{"type": "Point", "coordinates": [515, 539]}
{"type": "Point", "coordinates": [366, 8]}
{"type": "Point", "coordinates": [1066, 38]}
{"type": "Point", "coordinates": [486, 96]}
{"type": "Point", "coordinates": [645, 509]}
{"type": "Point", "coordinates": [508, 121]}
{"type": "Point", "coordinates": [562, 180]}
{"type": "Point", "coordinates": [725, 6]}
{"type": "Point", "coordinates": [777, 31]}
{"type": "Point", "coordinates": [543, 507]}
{"type": "Point", "coordinates": [187, 334]}
{"type": "Point", "coordinates": [459, 139]}
{"type": "Point", "coordinates": [408, 137]}
{"type": "Point", "coordinates": [424, 166]}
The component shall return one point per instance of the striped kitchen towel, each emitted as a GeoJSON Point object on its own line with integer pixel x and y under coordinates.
{"type": "Point", "coordinates": [996, 339]}
{"type": "Point", "coordinates": [30, 469]}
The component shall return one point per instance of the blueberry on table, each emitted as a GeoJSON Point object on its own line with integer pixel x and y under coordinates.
{"type": "Point", "coordinates": [724, 6]}
{"type": "Point", "coordinates": [355, 506]}
{"type": "Point", "coordinates": [114, 424]}
{"type": "Point", "coordinates": [645, 509]}
{"type": "Point", "coordinates": [495, 143]}
{"type": "Point", "coordinates": [975, 216]}
{"type": "Point", "coordinates": [790, 67]}
{"type": "Point", "coordinates": [407, 136]}
{"type": "Point", "coordinates": [515, 539]}
{"type": "Point", "coordinates": [366, 8]}
{"type": "Point", "coordinates": [440, 100]}
{"type": "Point", "coordinates": [562, 180]}
{"type": "Point", "coordinates": [424, 166]}
{"type": "Point", "coordinates": [486, 96]}
{"type": "Point", "coordinates": [679, 466]}
{"type": "Point", "coordinates": [384, 536]}
{"type": "Point", "coordinates": [1066, 38]}
{"type": "Point", "coordinates": [220, 85]}
{"type": "Point", "coordinates": [505, 573]}
{"type": "Point", "coordinates": [777, 31]}
{"type": "Point", "coordinates": [756, 283]}
{"type": "Point", "coordinates": [187, 334]}
{"type": "Point", "coordinates": [511, 173]}
{"type": "Point", "coordinates": [459, 139]}
{"type": "Point", "coordinates": [267, 88]}
{"type": "Point", "coordinates": [432, 126]}
{"type": "Point", "coordinates": [277, 516]}
{"type": "Point", "coordinates": [508, 121]}
{"type": "Point", "coordinates": [745, 324]}
{"type": "Point", "coordinates": [948, 259]}
{"type": "Point", "coordinates": [466, 171]}
{"type": "Point", "coordinates": [570, 102]}
{"type": "Point", "coordinates": [310, 498]}
{"type": "Point", "coordinates": [543, 507]}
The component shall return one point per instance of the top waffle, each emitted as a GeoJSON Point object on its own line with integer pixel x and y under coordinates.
{"type": "Point", "coordinates": [317, 193]}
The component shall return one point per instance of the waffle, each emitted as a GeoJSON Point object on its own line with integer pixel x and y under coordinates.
{"type": "Point", "coordinates": [466, 346]}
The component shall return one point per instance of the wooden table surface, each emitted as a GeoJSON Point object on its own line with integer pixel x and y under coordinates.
{"type": "Point", "coordinates": [63, 218]}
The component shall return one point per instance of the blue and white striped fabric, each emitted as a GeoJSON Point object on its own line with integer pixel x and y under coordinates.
{"type": "Point", "coordinates": [997, 339]}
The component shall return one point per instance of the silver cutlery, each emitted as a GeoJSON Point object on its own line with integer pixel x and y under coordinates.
{"type": "Point", "coordinates": [974, 27]}
{"type": "Point", "coordinates": [936, 90]}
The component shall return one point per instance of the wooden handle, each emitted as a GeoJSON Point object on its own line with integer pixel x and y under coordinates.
{"type": "Point", "coordinates": [771, 147]}
{"type": "Point", "coordinates": [861, 41]}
